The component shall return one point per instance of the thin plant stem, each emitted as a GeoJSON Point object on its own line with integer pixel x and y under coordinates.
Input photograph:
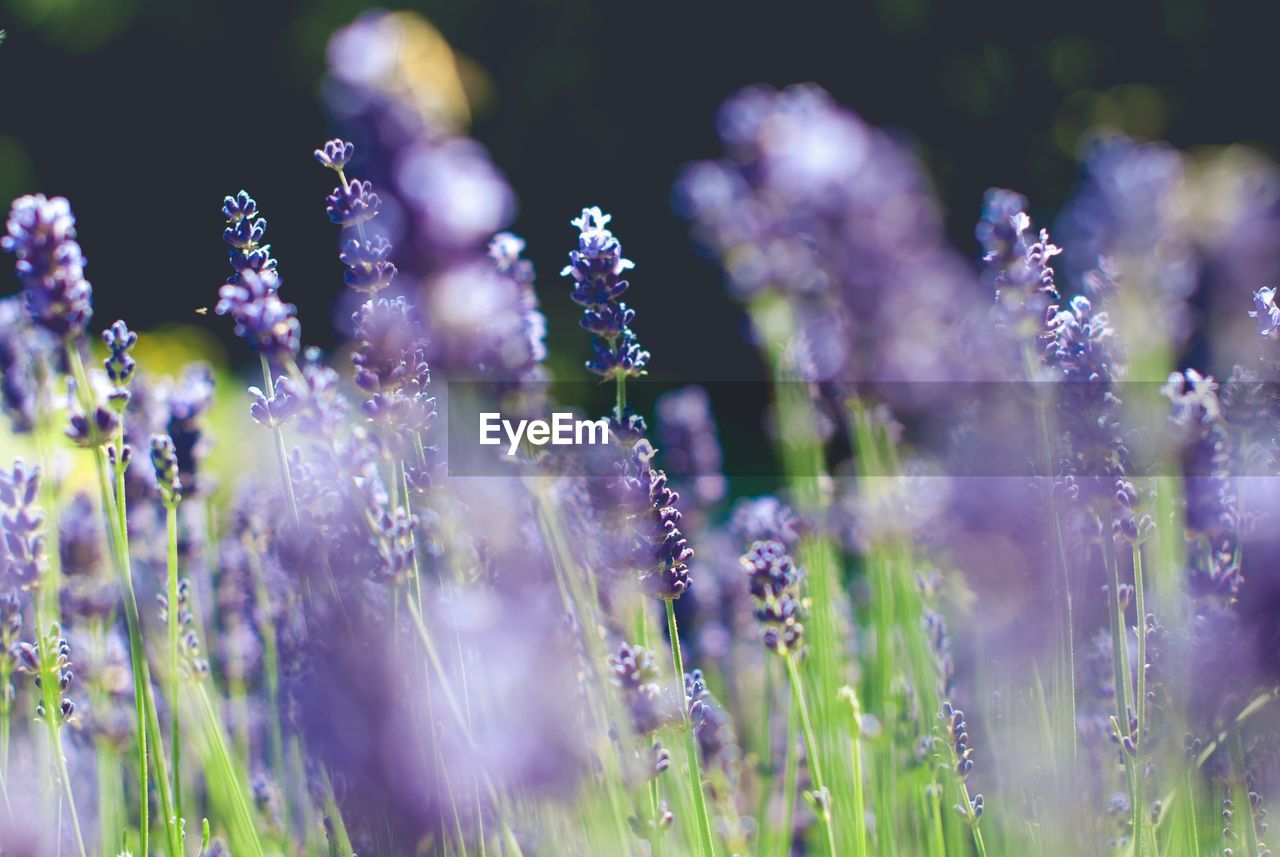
{"type": "Point", "coordinates": [282, 453]}
{"type": "Point", "coordinates": [859, 799]}
{"type": "Point", "coordinates": [691, 741]}
{"type": "Point", "coordinates": [143, 703]}
{"type": "Point", "coordinates": [171, 614]}
{"type": "Point", "coordinates": [790, 773]}
{"type": "Point", "coordinates": [811, 742]}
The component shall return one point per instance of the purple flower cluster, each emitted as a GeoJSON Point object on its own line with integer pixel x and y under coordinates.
{"type": "Point", "coordinates": [41, 234]}
{"type": "Point", "coordinates": [251, 294]}
{"type": "Point", "coordinates": [660, 552]}
{"type": "Point", "coordinates": [596, 268]}
{"type": "Point", "coordinates": [690, 442]}
{"type": "Point", "coordinates": [812, 203]}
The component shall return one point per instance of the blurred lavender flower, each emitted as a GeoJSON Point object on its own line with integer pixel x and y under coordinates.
{"type": "Point", "coordinates": [812, 203]}
{"type": "Point", "coordinates": [505, 249]}
{"type": "Point", "coordinates": [50, 265]}
{"type": "Point", "coordinates": [765, 518]}
{"type": "Point", "coordinates": [690, 442]}
{"type": "Point", "coordinates": [1131, 209]}
{"type": "Point", "coordinates": [1017, 266]}
{"type": "Point", "coordinates": [596, 268]}
{"type": "Point", "coordinates": [21, 521]}
{"type": "Point", "coordinates": [26, 352]}
{"type": "Point", "coordinates": [189, 402]}
{"type": "Point", "coordinates": [635, 672]}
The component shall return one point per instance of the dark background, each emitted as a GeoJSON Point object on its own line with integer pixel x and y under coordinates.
{"type": "Point", "coordinates": [145, 113]}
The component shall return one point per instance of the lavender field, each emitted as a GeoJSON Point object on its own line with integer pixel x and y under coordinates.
{"type": "Point", "coordinates": [992, 568]}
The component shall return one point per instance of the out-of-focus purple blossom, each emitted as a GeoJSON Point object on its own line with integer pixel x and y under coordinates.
{"type": "Point", "coordinates": [189, 402]}
{"type": "Point", "coordinates": [80, 538]}
{"type": "Point", "coordinates": [442, 196]}
{"type": "Point", "coordinates": [1082, 356]}
{"type": "Point", "coordinates": [1130, 208]}
{"type": "Point", "coordinates": [812, 203]}
{"type": "Point", "coordinates": [505, 249]}
{"type": "Point", "coordinates": [1017, 265]}
{"type": "Point", "coordinates": [1212, 507]}
{"type": "Point", "coordinates": [26, 352]}
{"type": "Point", "coordinates": [691, 443]}
{"type": "Point", "coordinates": [21, 521]}
{"type": "Point", "coordinates": [710, 722]}
{"type": "Point", "coordinates": [635, 672]}
{"type": "Point", "coordinates": [1265, 310]}
{"type": "Point", "coordinates": [479, 324]}
{"type": "Point", "coordinates": [41, 233]}
{"type": "Point", "coordinates": [765, 519]}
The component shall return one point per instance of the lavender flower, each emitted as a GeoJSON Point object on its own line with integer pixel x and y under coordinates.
{"type": "Point", "coordinates": [267, 323]}
{"type": "Point", "coordinates": [660, 552]}
{"type": "Point", "coordinates": [351, 205]}
{"type": "Point", "coordinates": [1212, 508]}
{"type": "Point", "coordinates": [1130, 210]}
{"type": "Point", "coordinates": [245, 233]}
{"type": "Point", "coordinates": [250, 295]}
{"type": "Point", "coordinates": [189, 402]}
{"type": "Point", "coordinates": [21, 521]}
{"type": "Point", "coordinates": [812, 204]}
{"type": "Point", "coordinates": [164, 459]}
{"type": "Point", "coordinates": [120, 364]}
{"type": "Point", "coordinates": [50, 265]}
{"type": "Point", "coordinates": [596, 268]}
{"type": "Point", "coordinates": [773, 580]}
{"type": "Point", "coordinates": [635, 671]}
{"type": "Point", "coordinates": [505, 249]}
{"type": "Point", "coordinates": [1017, 265]}
{"type": "Point", "coordinates": [765, 519]}
{"type": "Point", "coordinates": [25, 354]}
{"type": "Point", "coordinates": [687, 431]}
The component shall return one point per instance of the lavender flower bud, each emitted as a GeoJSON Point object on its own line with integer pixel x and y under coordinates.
{"type": "Point", "coordinates": [165, 461]}
{"type": "Point", "coordinates": [267, 323]}
{"type": "Point", "coordinates": [635, 672]}
{"type": "Point", "coordinates": [335, 154]}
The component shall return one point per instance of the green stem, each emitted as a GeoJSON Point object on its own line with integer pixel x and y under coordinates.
{"type": "Point", "coordinates": [790, 773]}
{"type": "Point", "coordinates": [620, 404]}
{"type": "Point", "coordinates": [691, 740]}
{"type": "Point", "coordinates": [1140, 814]}
{"type": "Point", "coordinates": [171, 526]}
{"type": "Point", "coordinates": [811, 742]}
{"type": "Point", "coordinates": [859, 799]}
{"type": "Point", "coordinates": [144, 701]}
{"type": "Point", "coordinates": [282, 453]}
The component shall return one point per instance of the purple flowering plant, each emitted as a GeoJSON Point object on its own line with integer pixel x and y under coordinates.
{"type": "Point", "coordinates": [1004, 599]}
